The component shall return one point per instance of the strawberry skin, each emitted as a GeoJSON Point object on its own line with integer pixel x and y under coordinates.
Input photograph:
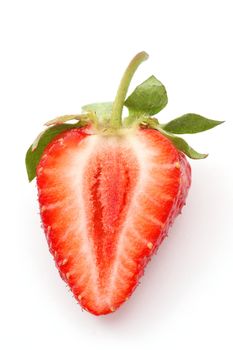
{"type": "Point", "coordinates": [106, 204]}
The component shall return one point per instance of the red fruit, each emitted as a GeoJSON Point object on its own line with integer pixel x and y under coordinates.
{"type": "Point", "coordinates": [106, 204]}
{"type": "Point", "coordinates": [109, 188]}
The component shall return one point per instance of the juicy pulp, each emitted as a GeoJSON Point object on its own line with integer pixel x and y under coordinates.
{"type": "Point", "coordinates": [106, 204]}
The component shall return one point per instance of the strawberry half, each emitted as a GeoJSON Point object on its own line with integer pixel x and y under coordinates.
{"type": "Point", "coordinates": [109, 189]}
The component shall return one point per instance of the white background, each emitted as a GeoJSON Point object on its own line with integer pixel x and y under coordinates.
{"type": "Point", "coordinates": [58, 55]}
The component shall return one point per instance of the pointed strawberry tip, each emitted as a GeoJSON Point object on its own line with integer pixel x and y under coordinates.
{"type": "Point", "coordinates": [97, 312]}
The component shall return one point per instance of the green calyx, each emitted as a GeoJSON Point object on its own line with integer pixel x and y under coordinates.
{"type": "Point", "coordinates": [148, 99]}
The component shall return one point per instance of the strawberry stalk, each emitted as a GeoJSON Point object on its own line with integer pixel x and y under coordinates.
{"type": "Point", "coordinates": [116, 116]}
{"type": "Point", "coordinates": [148, 99]}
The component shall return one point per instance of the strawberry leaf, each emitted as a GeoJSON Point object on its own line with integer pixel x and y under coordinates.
{"type": "Point", "coordinates": [190, 124]}
{"type": "Point", "coordinates": [33, 156]}
{"type": "Point", "coordinates": [102, 110]}
{"type": "Point", "coordinates": [148, 98]}
{"type": "Point", "coordinates": [182, 145]}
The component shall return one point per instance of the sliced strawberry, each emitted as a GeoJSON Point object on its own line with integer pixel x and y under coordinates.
{"type": "Point", "coordinates": [106, 203]}
{"type": "Point", "coordinates": [109, 188]}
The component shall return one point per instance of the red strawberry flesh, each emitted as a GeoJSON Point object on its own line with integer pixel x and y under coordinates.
{"type": "Point", "coordinates": [106, 204]}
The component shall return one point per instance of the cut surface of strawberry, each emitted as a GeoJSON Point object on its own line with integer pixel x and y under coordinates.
{"type": "Point", "coordinates": [110, 187]}
{"type": "Point", "coordinates": [106, 203]}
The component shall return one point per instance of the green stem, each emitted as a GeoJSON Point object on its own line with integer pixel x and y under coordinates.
{"type": "Point", "coordinates": [116, 117]}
